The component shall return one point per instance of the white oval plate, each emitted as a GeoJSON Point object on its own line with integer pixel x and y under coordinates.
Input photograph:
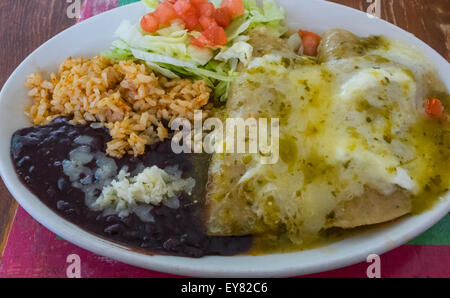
{"type": "Point", "coordinates": [92, 36]}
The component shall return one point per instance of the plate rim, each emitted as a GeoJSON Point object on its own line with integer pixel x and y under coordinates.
{"type": "Point", "coordinates": [113, 250]}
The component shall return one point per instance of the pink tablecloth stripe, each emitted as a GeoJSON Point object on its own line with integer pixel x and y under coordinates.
{"type": "Point", "coordinates": [34, 251]}
{"type": "Point", "coordinates": [93, 7]}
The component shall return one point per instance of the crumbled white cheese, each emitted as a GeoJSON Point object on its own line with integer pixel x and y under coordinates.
{"type": "Point", "coordinates": [83, 140]}
{"type": "Point", "coordinates": [74, 167]}
{"type": "Point", "coordinates": [90, 180]}
{"type": "Point", "coordinates": [124, 193]}
{"type": "Point", "coordinates": [152, 186]}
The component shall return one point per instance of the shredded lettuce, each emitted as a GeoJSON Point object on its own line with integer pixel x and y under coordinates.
{"type": "Point", "coordinates": [269, 15]}
{"type": "Point", "coordinates": [201, 72]}
{"type": "Point", "coordinates": [156, 58]}
{"type": "Point", "coordinates": [169, 52]}
{"type": "Point", "coordinates": [201, 56]}
{"type": "Point", "coordinates": [270, 11]}
{"type": "Point", "coordinates": [214, 73]}
{"type": "Point", "coordinates": [162, 70]}
{"type": "Point", "coordinates": [118, 54]}
{"type": "Point", "coordinates": [240, 50]}
{"type": "Point", "coordinates": [172, 41]}
{"type": "Point", "coordinates": [238, 26]}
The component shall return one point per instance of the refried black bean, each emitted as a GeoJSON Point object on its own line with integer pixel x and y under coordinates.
{"type": "Point", "coordinates": [38, 153]}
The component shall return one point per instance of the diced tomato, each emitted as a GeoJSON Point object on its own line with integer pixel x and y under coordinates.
{"type": "Point", "coordinates": [434, 108]}
{"type": "Point", "coordinates": [211, 37]}
{"type": "Point", "coordinates": [191, 22]}
{"type": "Point", "coordinates": [216, 34]}
{"type": "Point", "coordinates": [236, 7]}
{"type": "Point", "coordinates": [187, 12]}
{"type": "Point", "coordinates": [150, 23]}
{"type": "Point", "coordinates": [198, 2]}
{"type": "Point", "coordinates": [201, 41]}
{"type": "Point", "coordinates": [311, 42]}
{"type": "Point", "coordinates": [223, 16]}
{"type": "Point", "coordinates": [209, 32]}
{"type": "Point", "coordinates": [165, 13]}
{"type": "Point", "coordinates": [205, 9]}
{"type": "Point", "coordinates": [221, 37]}
{"type": "Point", "coordinates": [206, 21]}
{"type": "Point", "coordinates": [183, 7]}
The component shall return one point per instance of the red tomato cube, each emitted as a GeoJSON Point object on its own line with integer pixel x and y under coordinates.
{"type": "Point", "coordinates": [182, 7]}
{"type": "Point", "coordinates": [188, 13]}
{"type": "Point", "coordinates": [236, 7]}
{"type": "Point", "coordinates": [150, 23]}
{"type": "Point", "coordinates": [201, 41]}
{"type": "Point", "coordinates": [434, 107]}
{"type": "Point", "coordinates": [206, 9]}
{"type": "Point", "coordinates": [223, 16]}
{"type": "Point", "coordinates": [191, 22]}
{"type": "Point", "coordinates": [216, 34]}
{"type": "Point", "coordinates": [165, 13]}
{"type": "Point", "coordinates": [206, 21]}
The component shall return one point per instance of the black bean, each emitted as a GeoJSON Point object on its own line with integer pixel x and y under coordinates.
{"type": "Point", "coordinates": [114, 229]}
{"type": "Point", "coordinates": [38, 153]}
